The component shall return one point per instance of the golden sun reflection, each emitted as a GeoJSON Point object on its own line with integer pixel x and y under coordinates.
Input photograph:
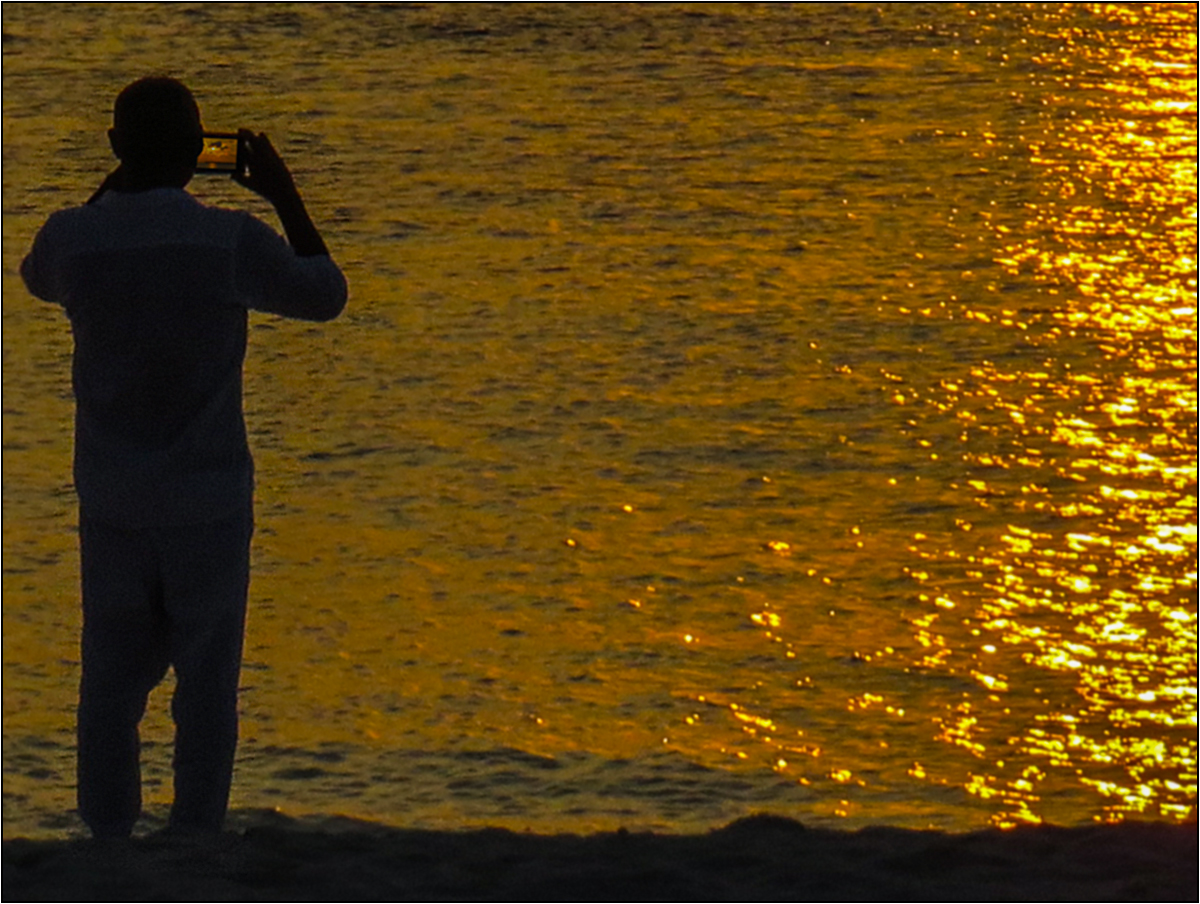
{"type": "Point", "coordinates": [1094, 585]}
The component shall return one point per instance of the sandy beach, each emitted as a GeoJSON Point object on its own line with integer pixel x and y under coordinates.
{"type": "Point", "coordinates": [760, 858]}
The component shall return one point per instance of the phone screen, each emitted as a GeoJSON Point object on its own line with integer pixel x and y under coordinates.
{"type": "Point", "coordinates": [220, 153]}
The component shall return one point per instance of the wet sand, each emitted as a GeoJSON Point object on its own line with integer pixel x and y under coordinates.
{"type": "Point", "coordinates": [759, 858]}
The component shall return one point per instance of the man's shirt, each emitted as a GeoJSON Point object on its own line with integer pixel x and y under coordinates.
{"type": "Point", "coordinates": [157, 286]}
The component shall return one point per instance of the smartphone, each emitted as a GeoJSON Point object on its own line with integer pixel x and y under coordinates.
{"type": "Point", "coordinates": [222, 154]}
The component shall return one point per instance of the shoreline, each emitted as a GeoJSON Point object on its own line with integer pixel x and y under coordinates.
{"type": "Point", "coordinates": [760, 857]}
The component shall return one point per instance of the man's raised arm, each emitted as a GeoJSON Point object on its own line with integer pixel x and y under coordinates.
{"type": "Point", "coordinates": [268, 176]}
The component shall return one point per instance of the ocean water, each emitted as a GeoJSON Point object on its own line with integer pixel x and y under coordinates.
{"type": "Point", "coordinates": [739, 408]}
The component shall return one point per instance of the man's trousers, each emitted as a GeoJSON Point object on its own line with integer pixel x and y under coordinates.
{"type": "Point", "coordinates": [156, 598]}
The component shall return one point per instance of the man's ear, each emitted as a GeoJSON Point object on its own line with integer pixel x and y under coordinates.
{"type": "Point", "coordinates": [115, 142]}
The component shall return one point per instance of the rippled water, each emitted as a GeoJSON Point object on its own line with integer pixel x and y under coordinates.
{"type": "Point", "coordinates": [754, 407]}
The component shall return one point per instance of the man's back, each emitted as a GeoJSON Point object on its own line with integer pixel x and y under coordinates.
{"type": "Point", "coordinates": [157, 286]}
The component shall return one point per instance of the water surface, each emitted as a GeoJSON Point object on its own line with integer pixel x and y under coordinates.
{"type": "Point", "coordinates": [739, 408]}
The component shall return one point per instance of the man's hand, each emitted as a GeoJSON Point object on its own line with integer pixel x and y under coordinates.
{"type": "Point", "coordinates": [267, 175]}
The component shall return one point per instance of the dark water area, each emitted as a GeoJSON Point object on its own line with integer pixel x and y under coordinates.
{"type": "Point", "coordinates": [768, 407]}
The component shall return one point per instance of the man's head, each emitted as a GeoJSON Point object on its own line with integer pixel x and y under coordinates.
{"type": "Point", "coordinates": [157, 132]}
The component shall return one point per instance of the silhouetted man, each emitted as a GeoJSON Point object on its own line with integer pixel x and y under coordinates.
{"type": "Point", "coordinates": [157, 286]}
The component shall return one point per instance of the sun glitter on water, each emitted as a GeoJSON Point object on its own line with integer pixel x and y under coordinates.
{"type": "Point", "coordinates": [1106, 611]}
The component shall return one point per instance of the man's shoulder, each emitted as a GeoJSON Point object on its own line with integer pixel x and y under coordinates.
{"type": "Point", "coordinates": [158, 217]}
{"type": "Point", "coordinates": [231, 221]}
{"type": "Point", "coordinates": [69, 218]}
{"type": "Point", "coordinates": [228, 220]}
{"type": "Point", "coordinates": [65, 230]}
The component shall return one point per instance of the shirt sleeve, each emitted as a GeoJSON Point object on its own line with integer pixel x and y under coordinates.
{"type": "Point", "coordinates": [271, 277]}
{"type": "Point", "coordinates": [37, 267]}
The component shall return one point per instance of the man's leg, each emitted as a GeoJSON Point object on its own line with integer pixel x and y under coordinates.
{"type": "Point", "coordinates": [124, 653]}
{"type": "Point", "coordinates": [207, 576]}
